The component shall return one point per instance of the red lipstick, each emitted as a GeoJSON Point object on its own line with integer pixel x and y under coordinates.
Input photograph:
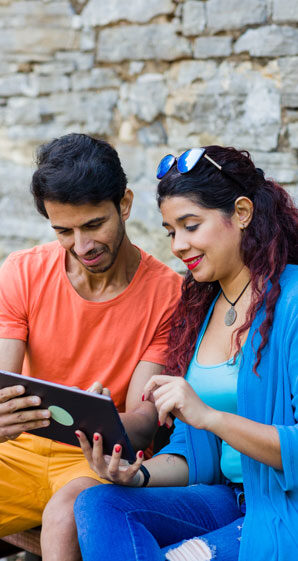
{"type": "Point", "coordinates": [192, 262]}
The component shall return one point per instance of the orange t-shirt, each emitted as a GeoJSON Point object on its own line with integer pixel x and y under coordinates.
{"type": "Point", "coordinates": [73, 341]}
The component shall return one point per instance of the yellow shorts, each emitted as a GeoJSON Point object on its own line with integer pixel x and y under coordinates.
{"type": "Point", "coordinates": [32, 469]}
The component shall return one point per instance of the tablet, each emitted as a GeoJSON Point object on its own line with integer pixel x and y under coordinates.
{"type": "Point", "coordinates": [73, 409]}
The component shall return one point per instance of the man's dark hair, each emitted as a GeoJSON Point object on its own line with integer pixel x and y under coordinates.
{"type": "Point", "coordinates": [77, 169]}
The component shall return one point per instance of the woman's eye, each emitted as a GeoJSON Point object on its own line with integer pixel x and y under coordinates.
{"type": "Point", "coordinates": [191, 228]}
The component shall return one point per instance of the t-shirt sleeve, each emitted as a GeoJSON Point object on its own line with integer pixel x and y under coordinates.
{"type": "Point", "coordinates": [13, 315]}
{"type": "Point", "coordinates": [157, 350]}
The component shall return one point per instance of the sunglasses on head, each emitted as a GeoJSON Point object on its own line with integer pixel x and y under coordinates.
{"type": "Point", "coordinates": [186, 162]}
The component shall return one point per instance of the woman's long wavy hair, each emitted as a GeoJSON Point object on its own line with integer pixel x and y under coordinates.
{"type": "Point", "coordinates": [268, 244]}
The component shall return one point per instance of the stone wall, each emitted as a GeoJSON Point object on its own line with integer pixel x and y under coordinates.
{"type": "Point", "coordinates": [152, 77]}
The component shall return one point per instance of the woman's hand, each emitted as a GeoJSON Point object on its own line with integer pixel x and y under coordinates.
{"type": "Point", "coordinates": [175, 395]}
{"type": "Point", "coordinates": [112, 467]}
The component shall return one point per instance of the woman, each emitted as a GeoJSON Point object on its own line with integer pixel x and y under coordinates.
{"type": "Point", "coordinates": [235, 339]}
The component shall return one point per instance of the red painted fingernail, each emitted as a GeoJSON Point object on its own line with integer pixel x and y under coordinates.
{"type": "Point", "coordinates": [143, 397]}
{"type": "Point", "coordinates": [117, 448]}
{"type": "Point", "coordinates": [141, 454]}
{"type": "Point", "coordinates": [96, 437]}
{"type": "Point", "coordinates": [168, 426]}
{"type": "Point", "coordinates": [159, 423]}
{"type": "Point", "coordinates": [77, 434]}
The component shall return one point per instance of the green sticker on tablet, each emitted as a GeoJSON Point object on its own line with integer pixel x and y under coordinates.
{"type": "Point", "coordinates": [61, 416]}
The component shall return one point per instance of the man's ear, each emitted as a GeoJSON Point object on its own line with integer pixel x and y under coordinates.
{"type": "Point", "coordinates": [125, 204]}
{"type": "Point", "coordinates": [243, 212]}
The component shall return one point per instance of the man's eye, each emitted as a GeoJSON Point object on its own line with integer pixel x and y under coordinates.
{"type": "Point", "coordinates": [93, 226]}
{"type": "Point", "coordinates": [63, 232]}
{"type": "Point", "coordinates": [170, 234]}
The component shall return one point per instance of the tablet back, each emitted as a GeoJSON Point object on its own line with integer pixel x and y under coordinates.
{"type": "Point", "coordinates": [73, 409]}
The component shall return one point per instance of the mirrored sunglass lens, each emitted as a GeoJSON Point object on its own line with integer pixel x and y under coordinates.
{"type": "Point", "coordinates": [165, 165]}
{"type": "Point", "coordinates": [188, 159]}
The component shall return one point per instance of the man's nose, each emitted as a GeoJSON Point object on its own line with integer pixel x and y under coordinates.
{"type": "Point", "coordinates": [82, 243]}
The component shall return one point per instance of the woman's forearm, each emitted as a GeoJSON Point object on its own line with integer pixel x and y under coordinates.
{"type": "Point", "coordinates": [253, 439]}
{"type": "Point", "coordinates": [167, 470]}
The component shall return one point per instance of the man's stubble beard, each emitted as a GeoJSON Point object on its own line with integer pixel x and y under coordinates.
{"type": "Point", "coordinates": [114, 253]}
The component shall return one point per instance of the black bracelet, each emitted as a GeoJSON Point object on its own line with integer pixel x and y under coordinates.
{"type": "Point", "coordinates": [146, 474]}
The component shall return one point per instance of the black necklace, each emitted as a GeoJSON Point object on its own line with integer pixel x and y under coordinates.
{"type": "Point", "coordinates": [231, 314]}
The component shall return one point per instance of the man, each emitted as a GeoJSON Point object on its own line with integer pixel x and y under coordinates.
{"type": "Point", "coordinates": [90, 309]}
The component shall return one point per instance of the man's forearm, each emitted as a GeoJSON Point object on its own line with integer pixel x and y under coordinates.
{"type": "Point", "coordinates": [140, 425]}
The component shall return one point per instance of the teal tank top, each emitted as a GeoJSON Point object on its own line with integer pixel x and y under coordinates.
{"type": "Point", "coordinates": [216, 385]}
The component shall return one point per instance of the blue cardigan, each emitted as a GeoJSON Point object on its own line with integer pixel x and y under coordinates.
{"type": "Point", "coordinates": [270, 530]}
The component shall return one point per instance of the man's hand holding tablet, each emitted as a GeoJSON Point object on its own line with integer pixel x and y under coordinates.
{"type": "Point", "coordinates": [66, 410]}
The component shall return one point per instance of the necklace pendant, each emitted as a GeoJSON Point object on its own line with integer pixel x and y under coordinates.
{"type": "Point", "coordinates": [230, 316]}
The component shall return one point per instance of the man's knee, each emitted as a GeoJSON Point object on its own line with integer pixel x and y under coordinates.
{"type": "Point", "coordinates": [59, 509]}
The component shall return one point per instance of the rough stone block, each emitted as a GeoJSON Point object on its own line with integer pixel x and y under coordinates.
{"type": "Point", "coordinates": [12, 212]}
{"type": "Point", "coordinates": [22, 140]}
{"type": "Point", "coordinates": [206, 47]}
{"type": "Point", "coordinates": [237, 106]}
{"type": "Point", "coordinates": [13, 84]}
{"type": "Point", "coordinates": [19, 177]}
{"type": "Point", "coordinates": [293, 192]}
{"type": "Point", "coordinates": [232, 14]}
{"type": "Point", "coordinates": [98, 78]}
{"type": "Point", "coordinates": [54, 67]}
{"type": "Point", "coordinates": [281, 166]}
{"type": "Point", "coordinates": [293, 137]}
{"type": "Point", "coordinates": [3, 112]}
{"type": "Point", "coordinates": [152, 135]}
{"type": "Point", "coordinates": [79, 60]}
{"type": "Point", "coordinates": [40, 85]}
{"type": "Point", "coordinates": [87, 42]}
{"type": "Point", "coordinates": [193, 17]}
{"type": "Point", "coordinates": [101, 12]}
{"type": "Point", "coordinates": [288, 67]}
{"type": "Point", "coordinates": [87, 110]}
{"type": "Point", "coordinates": [269, 41]}
{"type": "Point", "coordinates": [181, 103]}
{"type": "Point", "coordinates": [7, 67]}
{"type": "Point", "coordinates": [155, 41]}
{"type": "Point", "coordinates": [22, 111]}
{"type": "Point", "coordinates": [145, 98]}
{"type": "Point", "coordinates": [44, 14]}
{"type": "Point", "coordinates": [38, 40]}
{"type": "Point", "coordinates": [285, 11]}
{"type": "Point", "coordinates": [92, 110]}
{"type": "Point", "coordinates": [291, 115]}
{"type": "Point", "coordinates": [135, 67]}
{"type": "Point", "coordinates": [133, 161]}
{"type": "Point", "coordinates": [188, 71]}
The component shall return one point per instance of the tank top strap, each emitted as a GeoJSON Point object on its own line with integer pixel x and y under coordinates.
{"type": "Point", "coordinates": [205, 323]}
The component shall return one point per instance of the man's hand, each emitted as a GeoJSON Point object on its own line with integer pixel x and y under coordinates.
{"type": "Point", "coordinates": [14, 419]}
{"type": "Point", "coordinates": [97, 387]}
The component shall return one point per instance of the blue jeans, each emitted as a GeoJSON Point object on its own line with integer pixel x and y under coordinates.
{"type": "Point", "coordinates": [127, 524]}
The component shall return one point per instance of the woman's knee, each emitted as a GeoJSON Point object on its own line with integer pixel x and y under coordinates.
{"type": "Point", "coordinates": [93, 502]}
